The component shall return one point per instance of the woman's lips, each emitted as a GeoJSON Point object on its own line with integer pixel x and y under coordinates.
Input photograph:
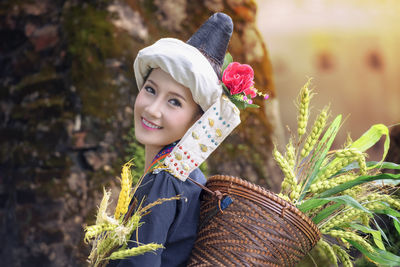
{"type": "Point", "coordinates": [149, 125]}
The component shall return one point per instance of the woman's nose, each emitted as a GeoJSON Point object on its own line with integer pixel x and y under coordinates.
{"type": "Point", "coordinates": [154, 109]}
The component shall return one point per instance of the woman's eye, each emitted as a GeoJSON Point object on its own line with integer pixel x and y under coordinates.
{"type": "Point", "coordinates": [175, 102]}
{"type": "Point", "coordinates": [150, 90]}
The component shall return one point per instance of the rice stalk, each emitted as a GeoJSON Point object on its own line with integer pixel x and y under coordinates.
{"type": "Point", "coordinates": [290, 155]}
{"type": "Point", "coordinates": [96, 230]}
{"type": "Point", "coordinates": [316, 131]}
{"type": "Point", "coordinates": [353, 237]}
{"type": "Point", "coordinates": [135, 251]}
{"type": "Point", "coordinates": [343, 256]}
{"type": "Point", "coordinates": [330, 183]}
{"type": "Point", "coordinates": [341, 218]}
{"type": "Point", "coordinates": [343, 158]}
{"type": "Point", "coordinates": [328, 250]}
{"type": "Point", "coordinates": [304, 100]}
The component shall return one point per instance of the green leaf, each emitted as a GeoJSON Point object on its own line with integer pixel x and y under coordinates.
{"type": "Point", "coordinates": [367, 140]}
{"type": "Point", "coordinates": [375, 164]}
{"type": "Point", "coordinates": [375, 234]}
{"type": "Point", "coordinates": [389, 211]}
{"type": "Point", "coordinates": [321, 150]}
{"type": "Point", "coordinates": [397, 226]}
{"type": "Point", "coordinates": [247, 105]}
{"type": "Point", "coordinates": [379, 256]}
{"type": "Point", "coordinates": [371, 137]}
{"type": "Point", "coordinates": [316, 202]}
{"type": "Point", "coordinates": [241, 104]}
{"type": "Point", "coordinates": [325, 213]}
{"type": "Point", "coordinates": [227, 92]}
{"type": "Point", "coordinates": [236, 99]}
{"type": "Point", "coordinates": [227, 60]}
{"type": "Point", "coordinates": [384, 165]}
{"type": "Point", "coordinates": [357, 181]}
{"type": "Point", "coordinates": [380, 230]}
{"type": "Point", "coordinates": [311, 204]}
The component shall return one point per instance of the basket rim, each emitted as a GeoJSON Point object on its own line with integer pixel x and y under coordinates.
{"type": "Point", "coordinates": [266, 193]}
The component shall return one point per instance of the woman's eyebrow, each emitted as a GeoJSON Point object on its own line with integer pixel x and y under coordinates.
{"type": "Point", "coordinates": [179, 96]}
{"type": "Point", "coordinates": [171, 93]}
{"type": "Point", "coordinates": [151, 81]}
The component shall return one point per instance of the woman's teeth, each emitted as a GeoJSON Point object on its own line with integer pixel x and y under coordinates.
{"type": "Point", "coordinates": [150, 125]}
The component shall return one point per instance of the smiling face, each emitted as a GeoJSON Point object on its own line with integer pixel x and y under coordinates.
{"type": "Point", "coordinates": [164, 111]}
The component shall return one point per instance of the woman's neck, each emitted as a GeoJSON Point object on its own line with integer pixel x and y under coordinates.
{"type": "Point", "coordinates": [150, 153]}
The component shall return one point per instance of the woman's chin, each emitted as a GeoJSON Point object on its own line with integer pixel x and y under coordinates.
{"type": "Point", "coordinates": [150, 140]}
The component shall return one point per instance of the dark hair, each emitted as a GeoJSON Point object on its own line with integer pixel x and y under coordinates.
{"type": "Point", "coordinates": [147, 76]}
{"type": "Point", "coordinates": [214, 64]}
{"type": "Point", "coordinates": [200, 110]}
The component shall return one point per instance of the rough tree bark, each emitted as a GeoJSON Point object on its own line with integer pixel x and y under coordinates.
{"type": "Point", "coordinates": [67, 92]}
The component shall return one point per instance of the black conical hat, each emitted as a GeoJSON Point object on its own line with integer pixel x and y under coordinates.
{"type": "Point", "coordinates": [212, 38]}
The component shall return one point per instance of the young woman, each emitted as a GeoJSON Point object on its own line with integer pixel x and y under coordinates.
{"type": "Point", "coordinates": [181, 116]}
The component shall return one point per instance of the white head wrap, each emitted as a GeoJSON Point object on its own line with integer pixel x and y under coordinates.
{"type": "Point", "coordinates": [185, 64]}
{"type": "Point", "coordinates": [190, 68]}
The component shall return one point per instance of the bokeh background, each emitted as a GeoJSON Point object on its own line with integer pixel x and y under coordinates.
{"type": "Point", "coordinates": [67, 92]}
{"type": "Point", "coordinates": [349, 48]}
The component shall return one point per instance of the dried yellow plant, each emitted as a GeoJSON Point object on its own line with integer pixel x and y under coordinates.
{"type": "Point", "coordinates": [110, 235]}
{"type": "Point", "coordinates": [125, 195]}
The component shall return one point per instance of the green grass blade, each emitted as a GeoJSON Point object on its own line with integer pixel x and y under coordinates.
{"type": "Point", "coordinates": [381, 231]}
{"type": "Point", "coordinates": [384, 165]}
{"type": "Point", "coordinates": [376, 235]}
{"type": "Point", "coordinates": [371, 137]}
{"type": "Point", "coordinates": [380, 256]}
{"type": "Point", "coordinates": [316, 202]}
{"type": "Point", "coordinates": [378, 165]}
{"type": "Point", "coordinates": [322, 149]}
{"type": "Point", "coordinates": [325, 213]}
{"type": "Point", "coordinates": [311, 204]}
{"type": "Point", "coordinates": [357, 181]}
{"type": "Point", "coordinates": [389, 211]}
{"type": "Point", "coordinates": [367, 140]}
{"type": "Point", "coordinates": [397, 226]}
{"type": "Point", "coordinates": [227, 60]}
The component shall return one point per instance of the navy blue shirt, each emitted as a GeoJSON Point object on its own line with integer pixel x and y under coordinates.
{"type": "Point", "coordinates": [172, 223]}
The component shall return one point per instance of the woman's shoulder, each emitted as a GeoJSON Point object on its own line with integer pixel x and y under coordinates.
{"type": "Point", "coordinates": [198, 176]}
{"type": "Point", "coordinates": [164, 176]}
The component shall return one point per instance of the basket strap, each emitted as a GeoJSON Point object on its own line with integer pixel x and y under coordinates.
{"type": "Point", "coordinates": [226, 200]}
{"type": "Point", "coordinates": [216, 193]}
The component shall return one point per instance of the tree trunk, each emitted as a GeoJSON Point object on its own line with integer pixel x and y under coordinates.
{"type": "Point", "coordinates": [66, 108]}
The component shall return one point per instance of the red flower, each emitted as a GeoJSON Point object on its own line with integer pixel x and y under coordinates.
{"type": "Point", "coordinates": [238, 77]}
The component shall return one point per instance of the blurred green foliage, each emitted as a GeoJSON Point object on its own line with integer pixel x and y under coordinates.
{"type": "Point", "coordinates": [90, 42]}
{"type": "Point", "coordinates": [134, 150]}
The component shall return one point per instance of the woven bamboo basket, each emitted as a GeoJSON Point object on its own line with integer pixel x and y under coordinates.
{"type": "Point", "coordinates": [257, 229]}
